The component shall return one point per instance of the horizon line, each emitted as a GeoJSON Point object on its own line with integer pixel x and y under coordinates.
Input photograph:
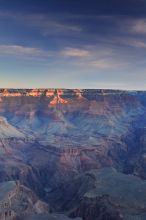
{"type": "Point", "coordinates": [64, 88]}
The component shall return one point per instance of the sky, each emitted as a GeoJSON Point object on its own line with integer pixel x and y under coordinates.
{"type": "Point", "coordinates": [73, 44]}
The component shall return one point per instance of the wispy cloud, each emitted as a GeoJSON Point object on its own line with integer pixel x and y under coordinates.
{"type": "Point", "coordinates": [129, 41]}
{"type": "Point", "coordinates": [50, 25]}
{"type": "Point", "coordinates": [135, 43]}
{"type": "Point", "coordinates": [102, 64]}
{"type": "Point", "coordinates": [46, 23]}
{"type": "Point", "coordinates": [75, 52]}
{"type": "Point", "coordinates": [137, 26]}
{"type": "Point", "coordinates": [19, 50]}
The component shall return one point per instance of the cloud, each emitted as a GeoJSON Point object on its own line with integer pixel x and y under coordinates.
{"type": "Point", "coordinates": [50, 25]}
{"type": "Point", "coordinates": [47, 23]}
{"type": "Point", "coordinates": [132, 25]}
{"type": "Point", "coordinates": [138, 26]}
{"type": "Point", "coordinates": [102, 64]}
{"type": "Point", "coordinates": [129, 41]}
{"type": "Point", "coordinates": [75, 52]}
{"type": "Point", "coordinates": [19, 50]}
{"type": "Point", "coordinates": [136, 43]}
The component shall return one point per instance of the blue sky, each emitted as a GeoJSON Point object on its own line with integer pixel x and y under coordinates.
{"type": "Point", "coordinates": [73, 44]}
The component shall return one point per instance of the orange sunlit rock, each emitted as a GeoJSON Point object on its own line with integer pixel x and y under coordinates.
{"type": "Point", "coordinates": [34, 92]}
{"type": "Point", "coordinates": [6, 93]}
{"type": "Point", "coordinates": [54, 101]}
{"type": "Point", "coordinates": [78, 93]}
{"type": "Point", "coordinates": [60, 92]}
{"type": "Point", "coordinates": [50, 92]}
{"type": "Point", "coordinates": [57, 99]}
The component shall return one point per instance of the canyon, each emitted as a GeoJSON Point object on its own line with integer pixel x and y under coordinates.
{"type": "Point", "coordinates": [72, 154]}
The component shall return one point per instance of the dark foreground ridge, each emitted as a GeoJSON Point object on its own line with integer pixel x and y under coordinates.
{"type": "Point", "coordinates": [72, 154]}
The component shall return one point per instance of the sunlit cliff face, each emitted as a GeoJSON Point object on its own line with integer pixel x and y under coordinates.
{"type": "Point", "coordinates": [50, 92]}
{"type": "Point", "coordinates": [38, 92]}
{"type": "Point", "coordinates": [59, 92]}
{"type": "Point", "coordinates": [35, 92]}
{"type": "Point", "coordinates": [78, 93]}
{"type": "Point", "coordinates": [57, 98]}
{"type": "Point", "coordinates": [6, 93]}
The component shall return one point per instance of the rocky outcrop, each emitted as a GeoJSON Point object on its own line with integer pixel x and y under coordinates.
{"type": "Point", "coordinates": [115, 196]}
{"type": "Point", "coordinates": [17, 201]}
